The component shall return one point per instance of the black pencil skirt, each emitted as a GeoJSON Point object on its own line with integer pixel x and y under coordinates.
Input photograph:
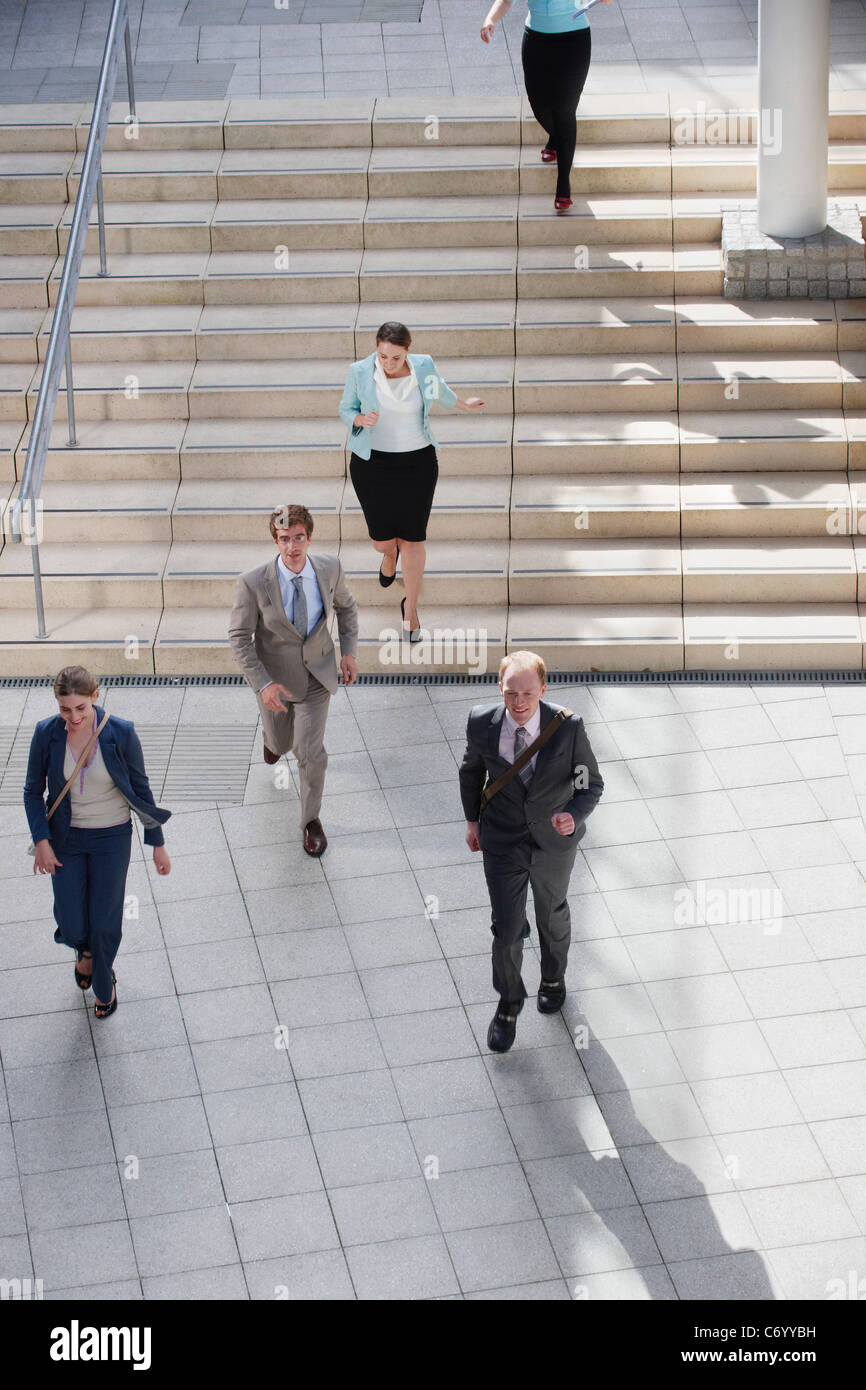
{"type": "Point", "coordinates": [396, 492]}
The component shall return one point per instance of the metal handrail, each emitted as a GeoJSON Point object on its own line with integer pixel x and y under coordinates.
{"type": "Point", "coordinates": [59, 355]}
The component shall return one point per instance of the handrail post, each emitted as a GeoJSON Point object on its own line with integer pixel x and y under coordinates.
{"type": "Point", "coordinates": [127, 43]}
{"type": "Point", "coordinates": [70, 394]}
{"type": "Point", "coordinates": [42, 631]}
{"type": "Point", "coordinates": [100, 209]}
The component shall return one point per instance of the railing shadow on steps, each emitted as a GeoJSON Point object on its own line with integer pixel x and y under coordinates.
{"type": "Point", "coordinates": [25, 509]}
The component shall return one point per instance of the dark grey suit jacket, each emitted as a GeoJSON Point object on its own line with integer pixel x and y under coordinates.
{"type": "Point", "coordinates": [566, 778]}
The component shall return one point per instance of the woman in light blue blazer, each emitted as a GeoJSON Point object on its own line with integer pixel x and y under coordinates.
{"type": "Point", "coordinates": [386, 404]}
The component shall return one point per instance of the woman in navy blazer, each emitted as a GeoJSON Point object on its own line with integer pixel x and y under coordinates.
{"type": "Point", "coordinates": [394, 469]}
{"type": "Point", "coordinates": [85, 847]}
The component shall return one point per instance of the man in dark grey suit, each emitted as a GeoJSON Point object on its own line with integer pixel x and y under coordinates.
{"type": "Point", "coordinates": [529, 830]}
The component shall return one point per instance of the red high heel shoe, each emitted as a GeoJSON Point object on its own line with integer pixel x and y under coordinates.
{"type": "Point", "coordinates": [562, 204]}
{"type": "Point", "coordinates": [548, 154]}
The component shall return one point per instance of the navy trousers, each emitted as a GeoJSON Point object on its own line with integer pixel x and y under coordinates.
{"type": "Point", "coordinates": [89, 892]}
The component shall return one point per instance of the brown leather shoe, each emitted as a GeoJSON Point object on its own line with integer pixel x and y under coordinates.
{"type": "Point", "coordinates": [315, 841]}
{"type": "Point", "coordinates": [269, 756]}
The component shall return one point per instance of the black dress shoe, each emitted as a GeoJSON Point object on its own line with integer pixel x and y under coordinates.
{"type": "Point", "coordinates": [551, 997]}
{"type": "Point", "coordinates": [269, 756]}
{"type": "Point", "coordinates": [503, 1026]}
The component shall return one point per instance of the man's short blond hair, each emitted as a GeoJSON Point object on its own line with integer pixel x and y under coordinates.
{"type": "Point", "coordinates": [522, 661]}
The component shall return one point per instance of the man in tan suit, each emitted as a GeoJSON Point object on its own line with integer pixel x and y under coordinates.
{"type": "Point", "coordinates": [279, 635]}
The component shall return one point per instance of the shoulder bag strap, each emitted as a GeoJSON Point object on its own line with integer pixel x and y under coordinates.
{"type": "Point", "coordinates": [550, 729]}
{"type": "Point", "coordinates": [83, 759]}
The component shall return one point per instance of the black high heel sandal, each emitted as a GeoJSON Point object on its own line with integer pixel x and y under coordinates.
{"type": "Point", "coordinates": [83, 981]}
{"type": "Point", "coordinates": [106, 1010]}
{"type": "Point", "coordinates": [414, 632]}
{"type": "Point", "coordinates": [387, 579]}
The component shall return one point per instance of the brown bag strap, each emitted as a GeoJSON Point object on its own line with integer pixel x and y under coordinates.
{"type": "Point", "coordinates": [81, 761]}
{"type": "Point", "coordinates": [547, 732]}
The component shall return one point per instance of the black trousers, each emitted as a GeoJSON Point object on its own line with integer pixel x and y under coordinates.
{"type": "Point", "coordinates": [554, 70]}
{"type": "Point", "coordinates": [508, 877]}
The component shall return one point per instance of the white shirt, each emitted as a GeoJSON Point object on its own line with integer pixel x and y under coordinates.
{"type": "Point", "coordinates": [400, 427]}
{"type": "Point", "coordinates": [315, 607]}
{"type": "Point", "coordinates": [507, 736]}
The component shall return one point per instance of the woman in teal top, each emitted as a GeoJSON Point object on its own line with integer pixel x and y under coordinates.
{"type": "Point", "coordinates": [555, 51]}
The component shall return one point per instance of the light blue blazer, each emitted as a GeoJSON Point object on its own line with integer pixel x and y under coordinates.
{"type": "Point", "coordinates": [359, 397]}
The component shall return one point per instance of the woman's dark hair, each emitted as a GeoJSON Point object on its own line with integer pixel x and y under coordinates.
{"type": "Point", "coordinates": [396, 333]}
{"type": "Point", "coordinates": [74, 680]}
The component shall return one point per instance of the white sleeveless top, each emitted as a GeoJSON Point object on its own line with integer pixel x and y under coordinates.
{"type": "Point", "coordinates": [400, 427]}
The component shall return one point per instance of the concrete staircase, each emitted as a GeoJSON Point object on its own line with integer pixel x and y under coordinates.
{"type": "Point", "coordinates": [661, 479]}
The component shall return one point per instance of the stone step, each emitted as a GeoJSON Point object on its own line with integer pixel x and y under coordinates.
{"type": "Point", "coordinates": [562, 271]}
{"type": "Point", "coordinates": [24, 281]}
{"type": "Point", "coordinates": [766, 505]}
{"type": "Point", "coordinates": [109, 450]}
{"type": "Point", "coordinates": [35, 177]}
{"type": "Point", "coordinates": [132, 175]}
{"type": "Point", "coordinates": [225, 511]}
{"type": "Point", "coordinates": [787, 636]}
{"type": "Point", "coordinates": [10, 439]}
{"type": "Point", "coordinates": [340, 172]}
{"type": "Point", "coordinates": [110, 639]}
{"type": "Point", "coordinates": [146, 229]}
{"type": "Point", "coordinates": [590, 570]}
{"type": "Point", "coordinates": [79, 512]}
{"type": "Point", "coordinates": [29, 229]}
{"type": "Point", "coordinates": [15, 381]}
{"type": "Point", "coordinates": [140, 280]}
{"type": "Point", "coordinates": [552, 384]}
{"type": "Point", "coordinates": [709, 323]}
{"type": "Point", "coordinates": [330, 224]}
{"type": "Point", "coordinates": [39, 127]}
{"type": "Point", "coordinates": [769, 570]}
{"type": "Point", "coordinates": [756, 381]}
{"type": "Point", "coordinates": [766, 440]}
{"type": "Point", "coordinates": [596, 505]}
{"type": "Point", "coordinates": [851, 324]}
{"type": "Point", "coordinates": [118, 333]}
{"type": "Point", "coordinates": [18, 333]}
{"type": "Point", "coordinates": [436, 273]}
{"type": "Point", "coordinates": [80, 575]}
{"type": "Point", "coordinates": [595, 325]}
{"type": "Point", "coordinates": [159, 125]}
{"type": "Point", "coordinates": [133, 390]}
{"type": "Point", "coordinates": [600, 637]}
{"type": "Point", "coordinates": [597, 442]}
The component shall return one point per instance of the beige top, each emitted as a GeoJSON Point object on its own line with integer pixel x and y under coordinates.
{"type": "Point", "coordinates": [100, 803]}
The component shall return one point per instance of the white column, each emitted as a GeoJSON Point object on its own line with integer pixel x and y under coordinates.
{"type": "Point", "coordinates": [793, 116]}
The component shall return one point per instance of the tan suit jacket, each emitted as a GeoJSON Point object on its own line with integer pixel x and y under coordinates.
{"type": "Point", "coordinates": [267, 647]}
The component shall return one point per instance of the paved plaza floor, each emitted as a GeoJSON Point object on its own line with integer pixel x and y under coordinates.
{"type": "Point", "coordinates": [204, 49]}
{"type": "Point", "coordinates": [295, 1098]}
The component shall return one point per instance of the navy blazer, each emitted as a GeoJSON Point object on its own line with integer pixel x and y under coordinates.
{"type": "Point", "coordinates": [121, 752]}
{"type": "Point", "coordinates": [566, 778]}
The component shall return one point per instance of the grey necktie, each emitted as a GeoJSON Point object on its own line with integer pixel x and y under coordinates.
{"type": "Point", "coordinates": [299, 612]}
{"type": "Point", "coordinates": [520, 742]}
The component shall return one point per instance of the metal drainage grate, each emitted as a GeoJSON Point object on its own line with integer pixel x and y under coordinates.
{"type": "Point", "coordinates": [486, 678]}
